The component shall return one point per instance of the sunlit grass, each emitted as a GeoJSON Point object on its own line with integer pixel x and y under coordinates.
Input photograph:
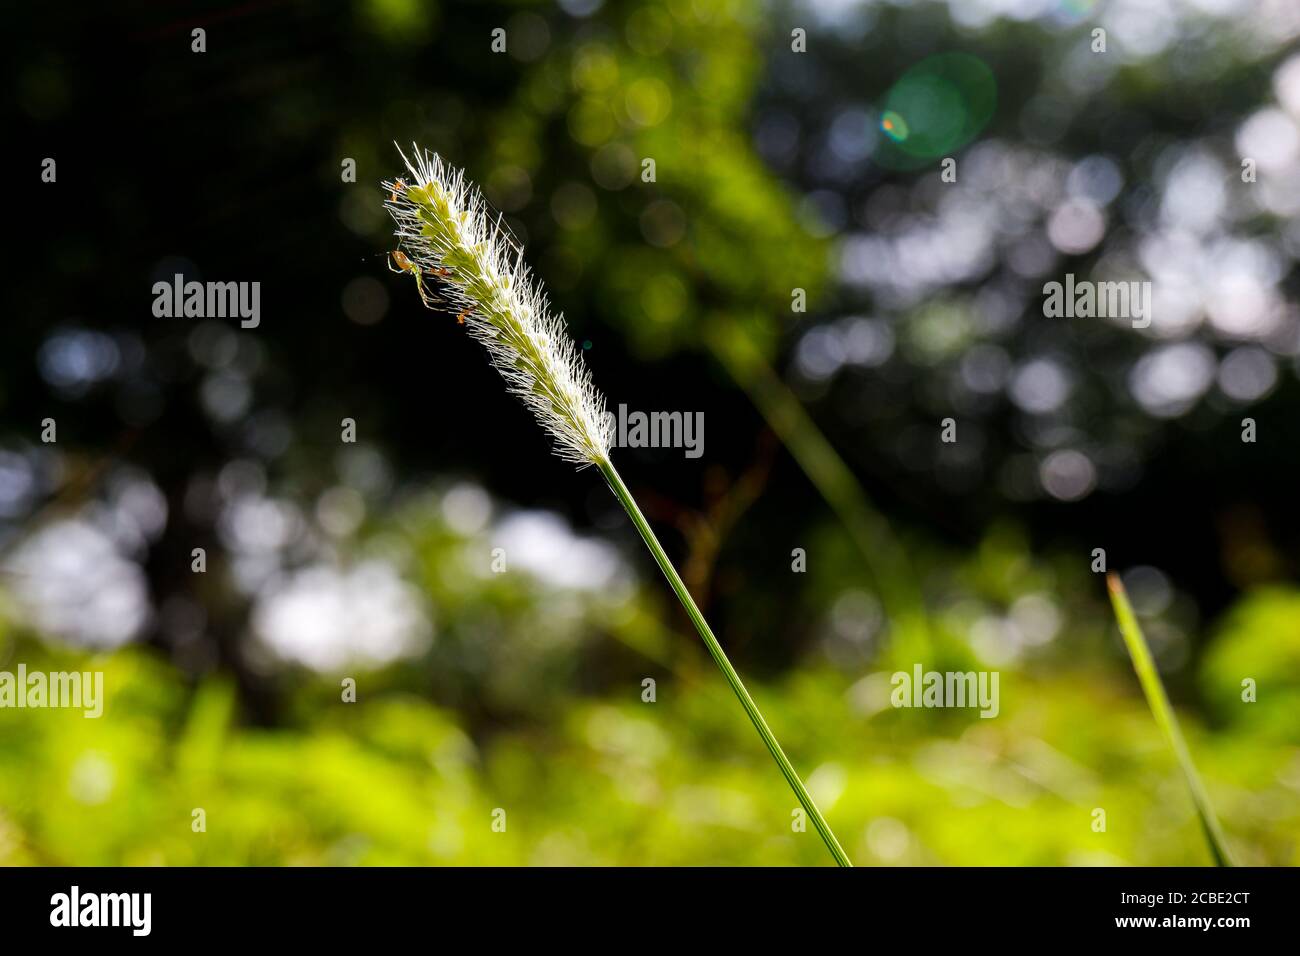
{"type": "Point", "coordinates": [1154, 690]}
{"type": "Point", "coordinates": [450, 237]}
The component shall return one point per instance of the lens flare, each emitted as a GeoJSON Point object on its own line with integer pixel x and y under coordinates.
{"type": "Point", "coordinates": [934, 109]}
{"type": "Point", "coordinates": [894, 126]}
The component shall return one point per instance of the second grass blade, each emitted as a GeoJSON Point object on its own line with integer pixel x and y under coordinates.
{"type": "Point", "coordinates": [1149, 677]}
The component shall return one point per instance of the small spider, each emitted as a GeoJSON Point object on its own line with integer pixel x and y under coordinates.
{"type": "Point", "coordinates": [400, 262]}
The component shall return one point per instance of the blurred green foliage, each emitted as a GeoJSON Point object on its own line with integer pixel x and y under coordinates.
{"type": "Point", "coordinates": [1259, 641]}
{"type": "Point", "coordinates": [392, 779]}
{"type": "Point", "coordinates": [605, 778]}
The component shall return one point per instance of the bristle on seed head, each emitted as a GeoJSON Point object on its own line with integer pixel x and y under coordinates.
{"type": "Point", "coordinates": [450, 235]}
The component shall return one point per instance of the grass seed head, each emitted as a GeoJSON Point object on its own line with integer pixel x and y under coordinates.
{"type": "Point", "coordinates": [449, 234]}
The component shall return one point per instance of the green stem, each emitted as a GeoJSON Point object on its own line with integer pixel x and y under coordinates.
{"type": "Point", "coordinates": [1149, 678]}
{"type": "Point", "coordinates": [720, 658]}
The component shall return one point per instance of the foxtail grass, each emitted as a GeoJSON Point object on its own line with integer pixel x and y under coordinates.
{"type": "Point", "coordinates": [451, 242]}
{"type": "Point", "coordinates": [1154, 690]}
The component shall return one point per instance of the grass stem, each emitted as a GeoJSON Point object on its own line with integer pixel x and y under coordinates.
{"type": "Point", "coordinates": [1149, 677]}
{"type": "Point", "coordinates": [720, 658]}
